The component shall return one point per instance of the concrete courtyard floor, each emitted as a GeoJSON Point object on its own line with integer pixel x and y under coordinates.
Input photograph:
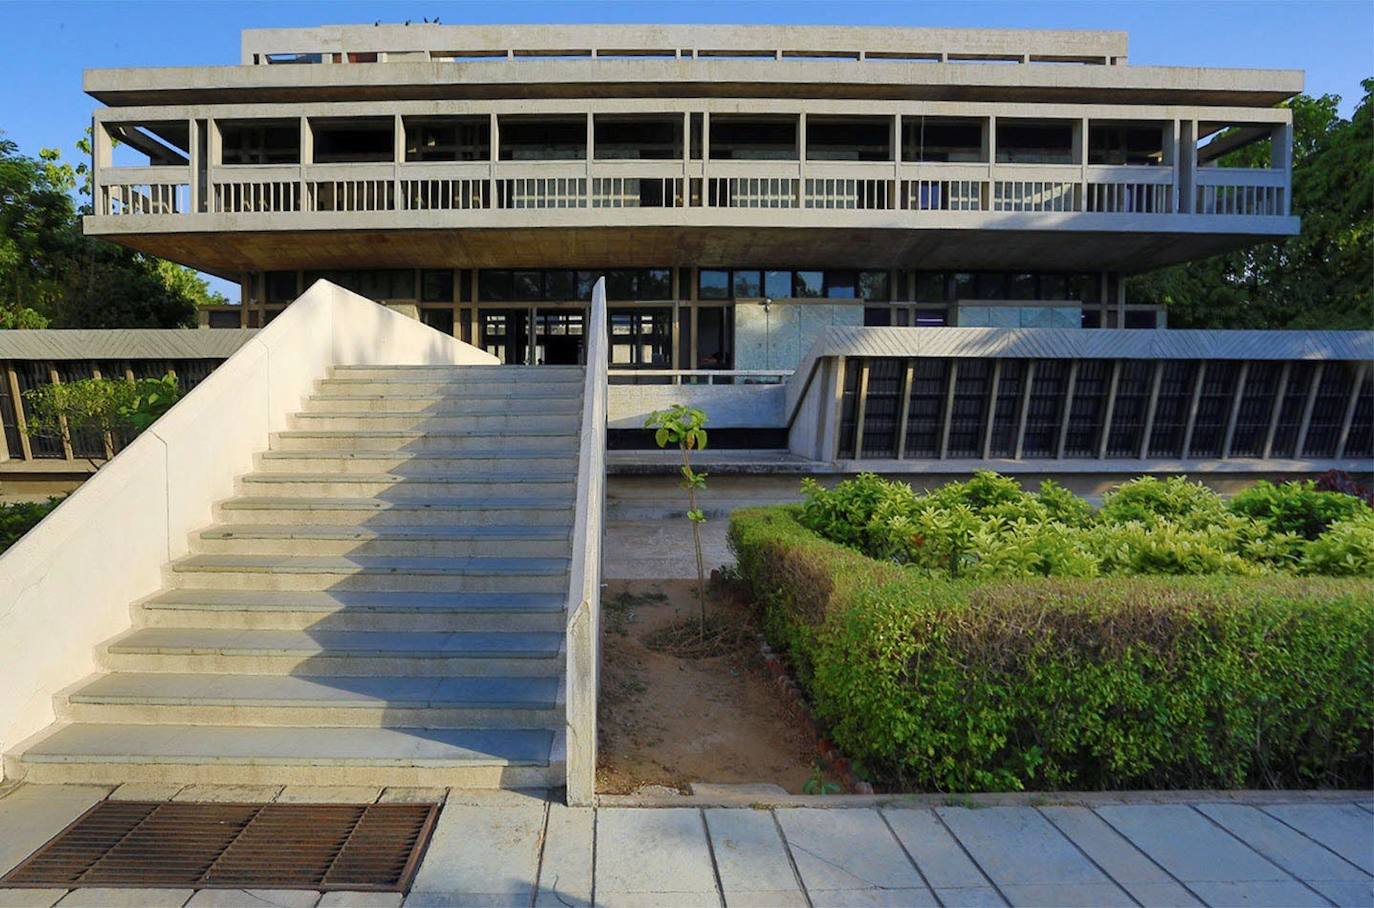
{"type": "Point", "coordinates": [522, 849]}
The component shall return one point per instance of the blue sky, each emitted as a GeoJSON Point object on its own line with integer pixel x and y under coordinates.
{"type": "Point", "coordinates": [49, 43]}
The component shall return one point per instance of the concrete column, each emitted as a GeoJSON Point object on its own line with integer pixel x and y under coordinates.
{"type": "Point", "coordinates": [1301, 444]}
{"type": "Point", "coordinates": [860, 410]}
{"type": "Point", "coordinates": [1110, 412]}
{"type": "Point", "coordinates": [905, 403]}
{"type": "Point", "coordinates": [949, 408]}
{"type": "Point", "coordinates": [1068, 409]}
{"type": "Point", "coordinates": [992, 408]}
{"type": "Point", "coordinates": [1187, 166]}
{"type": "Point", "coordinates": [1239, 395]}
{"type": "Point", "coordinates": [1346, 421]}
{"type": "Point", "coordinates": [1192, 410]}
{"type": "Point", "coordinates": [1275, 409]}
{"type": "Point", "coordinates": [1150, 409]}
{"type": "Point", "coordinates": [1025, 409]}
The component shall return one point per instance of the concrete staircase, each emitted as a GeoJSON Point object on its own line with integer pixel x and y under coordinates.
{"type": "Point", "coordinates": [382, 603]}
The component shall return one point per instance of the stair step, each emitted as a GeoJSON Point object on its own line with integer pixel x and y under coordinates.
{"type": "Point", "coordinates": [398, 510]}
{"type": "Point", "coordinates": [344, 610]}
{"type": "Point", "coordinates": [504, 422]}
{"type": "Point", "coordinates": [212, 754]}
{"type": "Point", "coordinates": [424, 541]}
{"type": "Point", "coordinates": [442, 404]}
{"type": "Point", "coordinates": [417, 463]}
{"type": "Point", "coordinates": [550, 374]}
{"type": "Point", "coordinates": [428, 440]}
{"type": "Point", "coordinates": [359, 485]}
{"type": "Point", "coordinates": [365, 572]}
{"type": "Point", "coordinates": [333, 701]}
{"type": "Point", "coordinates": [457, 388]}
{"type": "Point", "coordinates": [316, 652]}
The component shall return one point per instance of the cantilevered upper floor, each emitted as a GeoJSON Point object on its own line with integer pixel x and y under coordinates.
{"type": "Point", "coordinates": [433, 145]}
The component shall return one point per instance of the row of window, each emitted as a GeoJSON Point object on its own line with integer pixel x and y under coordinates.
{"type": "Point", "coordinates": [1234, 412]}
{"type": "Point", "coordinates": [557, 284]}
{"type": "Point", "coordinates": [660, 137]}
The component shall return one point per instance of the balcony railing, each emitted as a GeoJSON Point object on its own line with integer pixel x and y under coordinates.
{"type": "Point", "coordinates": [853, 186]}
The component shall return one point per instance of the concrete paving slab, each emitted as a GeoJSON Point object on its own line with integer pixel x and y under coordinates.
{"type": "Point", "coordinates": [1346, 893]}
{"type": "Point", "coordinates": [1118, 858]}
{"type": "Point", "coordinates": [1290, 849]}
{"type": "Point", "coordinates": [403, 795]}
{"type": "Point", "coordinates": [1344, 828]}
{"type": "Point", "coordinates": [846, 851]}
{"type": "Point", "coordinates": [329, 794]}
{"type": "Point", "coordinates": [661, 854]}
{"type": "Point", "coordinates": [232, 794]}
{"type": "Point", "coordinates": [481, 855]}
{"type": "Point", "coordinates": [873, 898]}
{"type": "Point", "coordinates": [360, 900]}
{"type": "Point", "coordinates": [1189, 846]}
{"type": "Point", "coordinates": [656, 900]}
{"type": "Point", "coordinates": [781, 898]}
{"type": "Point", "coordinates": [1070, 895]}
{"type": "Point", "coordinates": [970, 897]}
{"type": "Point", "coordinates": [498, 797]}
{"type": "Point", "coordinates": [97, 897]}
{"type": "Point", "coordinates": [565, 872]}
{"type": "Point", "coordinates": [1028, 858]}
{"type": "Point", "coordinates": [1258, 893]}
{"type": "Point", "coordinates": [939, 857]}
{"type": "Point", "coordinates": [253, 898]}
{"type": "Point", "coordinates": [751, 858]}
{"type": "Point", "coordinates": [35, 813]}
{"type": "Point", "coordinates": [31, 898]}
{"type": "Point", "coordinates": [145, 791]}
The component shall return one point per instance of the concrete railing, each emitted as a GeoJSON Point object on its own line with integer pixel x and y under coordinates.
{"type": "Point", "coordinates": [68, 584]}
{"type": "Point", "coordinates": [584, 581]}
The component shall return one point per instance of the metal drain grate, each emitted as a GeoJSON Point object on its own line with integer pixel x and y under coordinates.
{"type": "Point", "coordinates": [374, 847]}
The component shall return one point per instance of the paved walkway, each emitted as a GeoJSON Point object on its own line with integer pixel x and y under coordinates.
{"type": "Point", "coordinates": [515, 849]}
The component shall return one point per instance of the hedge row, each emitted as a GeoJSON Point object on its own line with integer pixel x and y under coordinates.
{"type": "Point", "coordinates": [1108, 683]}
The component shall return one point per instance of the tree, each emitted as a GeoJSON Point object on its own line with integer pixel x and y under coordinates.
{"type": "Point", "coordinates": [1322, 278]}
{"type": "Point", "coordinates": [53, 275]}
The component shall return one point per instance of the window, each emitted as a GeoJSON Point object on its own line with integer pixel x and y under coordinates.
{"type": "Point", "coordinates": [354, 141]}
{"type": "Point", "coordinates": [777, 284]}
{"type": "Point", "coordinates": [260, 141]}
{"type": "Point", "coordinates": [877, 316]}
{"type": "Point", "coordinates": [932, 286]}
{"type": "Point", "coordinates": [1031, 142]}
{"type": "Point", "coordinates": [392, 284]}
{"type": "Point", "coordinates": [448, 139]}
{"type": "Point", "coordinates": [748, 285]}
{"type": "Point", "coordinates": [543, 138]}
{"type": "Point", "coordinates": [436, 286]}
{"type": "Point", "coordinates": [737, 138]}
{"type": "Point", "coordinates": [841, 285]}
{"type": "Point", "coordinates": [1021, 287]}
{"type": "Point", "coordinates": [873, 285]}
{"type": "Point", "coordinates": [638, 138]}
{"type": "Point", "coordinates": [991, 285]}
{"type": "Point", "coordinates": [942, 139]}
{"type": "Point", "coordinates": [715, 329]}
{"type": "Point", "coordinates": [1126, 143]}
{"type": "Point", "coordinates": [440, 320]}
{"type": "Point", "coordinates": [713, 285]}
{"type": "Point", "coordinates": [1141, 318]}
{"type": "Point", "coordinates": [281, 286]}
{"type": "Point", "coordinates": [848, 139]}
{"type": "Point", "coordinates": [641, 338]}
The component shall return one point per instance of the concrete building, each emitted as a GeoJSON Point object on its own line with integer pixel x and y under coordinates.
{"type": "Point", "coordinates": [741, 187]}
{"type": "Point", "coordinates": [366, 553]}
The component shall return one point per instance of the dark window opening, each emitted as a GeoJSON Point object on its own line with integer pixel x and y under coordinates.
{"type": "Point", "coordinates": [392, 284]}
{"type": "Point", "coordinates": [281, 286]}
{"type": "Point", "coordinates": [354, 141]}
{"type": "Point", "coordinates": [715, 334]}
{"type": "Point", "coordinates": [942, 140]}
{"type": "Point", "coordinates": [448, 139]}
{"type": "Point", "coordinates": [260, 141]}
{"type": "Point", "coordinates": [436, 286]}
{"type": "Point", "coordinates": [848, 139]}
{"type": "Point", "coordinates": [736, 138]}
{"type": "Point", "coordinates": [543, 138]}
{"type": "Point", "coordinates": [1123, 143]}
{"type": "Point", "coordinates": [440, 320]}
{"type": "Point", "coordinates": [638, 138]}
{"type": "Point", "coordinates": [1024, 142]}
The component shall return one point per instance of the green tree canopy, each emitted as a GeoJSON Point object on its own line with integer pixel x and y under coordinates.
{"type": "Point", "coordinates": [1322, 278]}
{"type": "Point", "coordinates": [52, 275]}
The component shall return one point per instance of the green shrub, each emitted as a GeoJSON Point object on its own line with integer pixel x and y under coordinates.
{"type": "Point", "coordinates": [118, 407]}
{"type": "Point", "coordinates": [1346, 549]}
{"type": "Point", "coordinates": [17, 518]}
{"type": "Point", "coordinates": [1149, 500]}
{"type": "Point", "coordinates": [1296, 507]}
{"type": "Point", "coordinates": [988, 527]}
{"type": "Point", "coordinates": [1121, 682]}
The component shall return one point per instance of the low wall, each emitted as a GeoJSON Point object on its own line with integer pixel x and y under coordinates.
{"type": "Point", "coordinates": [69, 583]}
{"type": "Point", "coordinates": [742, 406]}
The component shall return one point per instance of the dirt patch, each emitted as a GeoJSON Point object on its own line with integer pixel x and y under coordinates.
{"type": "Point", "coordinates": [670, 721]}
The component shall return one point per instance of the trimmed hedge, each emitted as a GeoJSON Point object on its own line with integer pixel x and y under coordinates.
{"type": "Point", "coordinates": [1065, 683]}
{"type": "Point", "coordinates": [17, 518]}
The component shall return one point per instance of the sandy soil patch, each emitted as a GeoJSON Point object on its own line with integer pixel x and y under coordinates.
{"type": "Point", "coordinates": [671, 721]}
